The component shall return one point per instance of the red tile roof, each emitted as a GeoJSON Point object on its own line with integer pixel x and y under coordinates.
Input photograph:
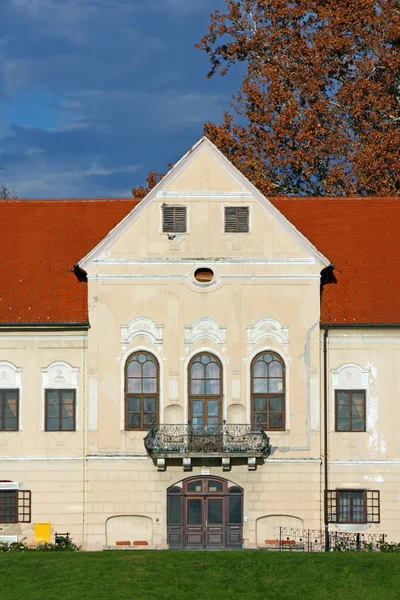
{"type": "Point", "coordinates": [42, 240]}
{"type": "Point", "coordinates": [361, 237]}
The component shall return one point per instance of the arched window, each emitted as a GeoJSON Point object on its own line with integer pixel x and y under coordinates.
{"type": "Point", "coordinates": [142, 385]}
{"type": "Point", "coordinates": [205, 391]}
{"type": "Point", "coordinates": [268, 391]}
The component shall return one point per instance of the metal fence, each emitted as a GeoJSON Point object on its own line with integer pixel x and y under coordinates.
{"type": "Point", "coordinates": [313, 540]}
{"type": "Point", "coordinates": [222, 439]}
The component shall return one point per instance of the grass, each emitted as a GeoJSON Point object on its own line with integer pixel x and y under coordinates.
{"type": "Point", "coordinates": [177, 575]}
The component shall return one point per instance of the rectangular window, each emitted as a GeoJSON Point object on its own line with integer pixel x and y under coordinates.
{"type": "Point", "coordinates": [353, 506]}
{"type": "Point", "coordinates": [236, 219]}
{"type": "Point", "coordinates": [174, 219]}
{"type": "Point", "coordinates": [350, 410]}
{"type": "Point", "coordinates": [15, 506]}
{"type": "Point", "coordinates": [60, 410]}
{"type": "Point", "coordinates": [9, 406]}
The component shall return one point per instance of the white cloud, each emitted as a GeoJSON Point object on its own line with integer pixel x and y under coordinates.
{"type": "Point", "coordinates": [44, 179]}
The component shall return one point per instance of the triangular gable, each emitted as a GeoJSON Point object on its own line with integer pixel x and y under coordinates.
{"type": "Point", "coordinates": [160, 189]}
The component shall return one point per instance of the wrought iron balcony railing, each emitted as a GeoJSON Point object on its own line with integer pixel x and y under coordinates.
{"type": "Point", "coordinates": [223, 440]}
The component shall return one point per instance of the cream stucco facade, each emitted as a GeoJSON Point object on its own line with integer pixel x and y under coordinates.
{"type": "Point", "coordinates": [98, 482]}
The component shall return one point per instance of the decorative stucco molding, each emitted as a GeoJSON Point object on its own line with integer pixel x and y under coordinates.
{"type": "Point", "coordinates": [60, 374]}
{"type": "Point", "coordinates": [10, 375]}
{"type": "Point", "coordinates": [142, 326]}
{"type": "Point", "coordinates": [350, 376]}
{"type": "Point", "coordinates": [270, 328]}
{"type": "Point", "coordinates": [205, 328]}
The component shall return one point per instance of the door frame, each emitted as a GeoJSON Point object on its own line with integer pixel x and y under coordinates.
{"type": "Point", "coordinates": [178, 530]}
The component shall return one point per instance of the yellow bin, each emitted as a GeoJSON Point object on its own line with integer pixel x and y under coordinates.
{"type": "Point", "coordinates": [42, 533]}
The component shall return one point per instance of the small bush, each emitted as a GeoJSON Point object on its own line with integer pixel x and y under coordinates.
{"type": "Point", "coordinates": [62, 545]}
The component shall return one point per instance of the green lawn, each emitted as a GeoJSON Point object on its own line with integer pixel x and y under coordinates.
{"type": "Point", "coordinates": [193, 575]}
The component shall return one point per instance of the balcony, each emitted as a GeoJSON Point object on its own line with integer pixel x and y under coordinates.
{"type": "Point", "coordinates": [225, 442]}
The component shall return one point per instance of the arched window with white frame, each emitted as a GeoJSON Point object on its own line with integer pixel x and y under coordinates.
{"type": "Point", "coordinates": [268, 391]}
{"type": "Point", "coordinates": [142, 391]}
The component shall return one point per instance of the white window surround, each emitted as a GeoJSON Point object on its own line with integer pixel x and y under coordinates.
{"type": "Point", "coordinates": [11, 378]}
{"type": "Point", "coordinates": [189, 357]}
{"type": "Point", "coordinates": [9, 485]}
{"type": "Point", "coordinates": [351, 376]}
{"type": "Point", "coordinates": [205, 328]}
{"type": "Point", "coordinates": [142, 326]}
{"type": "Point", "coordinates": [267, 327]}
{"type": "Point", "coordinates": [172, 203]}
{"type": "Point", "coordinates": [285, 360]}
{"type": "Point", "coordinates": [123, 361]}
{"type": "Point", "coordinates": [62, 376]}
{"type": "Point", "coordinates": [237, 204]}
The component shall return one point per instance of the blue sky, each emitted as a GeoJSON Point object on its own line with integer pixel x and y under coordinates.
{"type": "Point", "coordinates": [95, 93]}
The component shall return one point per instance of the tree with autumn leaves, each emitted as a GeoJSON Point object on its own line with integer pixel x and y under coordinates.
{"type": "Point", "coordinates": [318, 112]}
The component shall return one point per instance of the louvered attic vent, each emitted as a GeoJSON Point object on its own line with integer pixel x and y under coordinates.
{"type": "Point", "coordinates": [236, 219]}
{"type": "Point", "coordinates": [174, 219]}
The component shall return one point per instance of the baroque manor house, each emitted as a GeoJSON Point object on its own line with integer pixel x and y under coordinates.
{"type": "Point", "coordinates": [199, 368]}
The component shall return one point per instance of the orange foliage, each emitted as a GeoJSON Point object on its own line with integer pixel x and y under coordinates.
{"type": "Point", "coordinates": [318, 111]}
{"type": "Point", "coordinates": [319, 108]}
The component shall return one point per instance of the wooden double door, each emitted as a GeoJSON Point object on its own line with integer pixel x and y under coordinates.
{"type": "Point", "coordinates": [205, 512]}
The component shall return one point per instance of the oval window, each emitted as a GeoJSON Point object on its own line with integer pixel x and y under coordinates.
{"type": "Point", "coordinates": [204, 275]}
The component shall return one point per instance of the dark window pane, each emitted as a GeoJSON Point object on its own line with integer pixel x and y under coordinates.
{"type": "Point", "coordinates": [8, 506]}
{"type": "Point", "coordinates": [260, 369]}
{"type": "Point", "coordinates": [275, 404]}
{"type": "Point", "coordinates": [149, 369]}
{"type": "Point", "coordinates": [53, 410]}
{"type": "Point", "coordinates": [215, 486]}
{"type": "Point", "coordinates": [215, 511]}
{"type": "Point", "coordinates": [134, 386]}
{"type": "Point", "coordinates": [212, 408]}
{"type": "Point", "coordinates": [197, 371]}
{"type": "Point", "coordinates": [197, 387]}
{"type": "Point", "coordinates": [343, 424]}
{"type": "Point", "coordinates": [67, 424]}
{"type": "Point", "coordinates": [275, 369]}
{"type": "Point", "coordinates": [260, 403]}
{"type": "Point", "coordinates": [212, 371]}
{"type": "Point", "coordinates": [10, 424]}
{"type": "Point", "coordinates": [260, 386]}
{"type": "Point", "coordinates": [9, 419]}
{"type": "Point", "coordinates": [134, 369]}
{"type": "Point", "coordinates": [235, 490]}
{"type": "Point", "coordinates": [213, 387]}
{"type": "Point", "coordinates": [149, 419]}
{"type": "Point", "coordinates": [174, 510]}
{"type": "Point", "coordinates": [260, 419]}
{"type": "Point", "coordinates": [150, 404]}
{"type": "Point", "coordinates": [68, 407]}
{"type": "Point", "coordinates": [52, 424]}
{"type": "Point", "coordinates": [235, 509]}
{"type": "Point", "coordinates": [175, 490]}
{"type": "Point", "coordinates": [197, 408]}
{"type": "Point", "coordinates": [275, 421]}
{"type": "Point", "coordinates": [194, 486]}
{"type": "Point", "coordinates": [134, 404]}
{"type": "Point", "coordinates": [149, 386]}
{"type": "Point", "coordinates": [275, 385]}
{"type": "Point", "coordinates": [343, 398]}
{"type": "Point", "coordinates": [134, 421]}
{"type": "Point", "coordinates": [194, 510]}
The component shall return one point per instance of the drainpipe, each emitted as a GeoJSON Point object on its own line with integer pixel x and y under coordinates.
{"type": "Point", "coordinates": [326, 480]}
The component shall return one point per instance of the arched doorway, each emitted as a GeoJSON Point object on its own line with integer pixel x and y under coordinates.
{"type": "Point", "coordinates": [205, 512]}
